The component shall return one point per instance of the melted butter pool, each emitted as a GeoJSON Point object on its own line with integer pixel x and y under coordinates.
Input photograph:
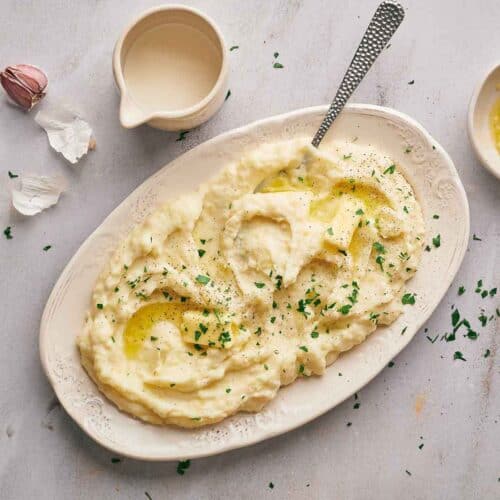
{"type": "Point", "coordinates": [140, 325]}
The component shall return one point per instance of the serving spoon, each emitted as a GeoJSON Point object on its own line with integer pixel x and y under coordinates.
{"type": "Point", "coordinates": [383, 25]}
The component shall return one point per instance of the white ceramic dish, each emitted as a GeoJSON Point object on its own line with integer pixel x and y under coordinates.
{"type": "Point", "coordinates": [483, 98]}
{"type": "Point", "coordinates": [131, 114]}
{"type": "Point", "coordinates": [437, 185]}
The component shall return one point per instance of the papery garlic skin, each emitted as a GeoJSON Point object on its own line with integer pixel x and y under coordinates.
{"type": "Point", "coordinates": [24, 84]}
{"type": "Point", "coordinates": [37, 193]}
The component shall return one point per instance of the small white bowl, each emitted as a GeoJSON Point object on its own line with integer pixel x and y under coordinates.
{"type": "Point", "coordinates": [478, 121]}
{"type": "Point", "coordinates": [131, 114]}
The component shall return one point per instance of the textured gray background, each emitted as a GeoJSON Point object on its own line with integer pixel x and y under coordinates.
{"type": "Point", "coordinates": [444, 46]}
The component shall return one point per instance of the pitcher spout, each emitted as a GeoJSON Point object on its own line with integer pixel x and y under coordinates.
{"type": "Point", "coordinates": [130, 114]}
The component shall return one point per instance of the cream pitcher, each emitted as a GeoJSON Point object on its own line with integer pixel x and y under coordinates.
{"type": "Point", "coordinates": [170, 66]}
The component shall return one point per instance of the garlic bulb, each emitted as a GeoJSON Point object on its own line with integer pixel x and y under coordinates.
{"type": "Point", "coordinates": [25, 84]}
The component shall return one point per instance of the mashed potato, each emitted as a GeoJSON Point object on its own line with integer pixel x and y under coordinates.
{"type": "Point", "coordinates": [265, 274]}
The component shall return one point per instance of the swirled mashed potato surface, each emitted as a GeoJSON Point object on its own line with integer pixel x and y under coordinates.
{"type": "Point", "coordinates": [265, 274]}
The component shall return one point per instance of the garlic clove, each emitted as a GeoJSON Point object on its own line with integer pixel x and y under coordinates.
{"type": "Point", "coordinates": [24, 84]}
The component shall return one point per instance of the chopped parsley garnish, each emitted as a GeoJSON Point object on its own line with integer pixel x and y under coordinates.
{"type": "Point", "coordinates": [279, 281]}
{"type": "Point", "coordinates": [348, 157]}
{"type": "Point", "coordinates": [183, 466]}
{"type": "Point", "coordinates": [390, 169]}
{"type": "Point", "coordinates": [271, 485]}
{"type": "Point", "coordinates": [228, 390]}
{"type": "Point", "coordinates": [476, 238]}
{"type": "Point", "coordinates": [202, 279]}
{"type": "Point", "coordinates": [99, 306]}
{"type": "Point", "coordinates": [301, 368]}
{"type": "Point", "coordinates": [408, 149]}
{"type": "Point", "coordinates": [273, 319]}
{"type": "Point", "coordinates": [435, 216]}
{"type": "Point", "coordinates": [8, 232]}
{"type": "Point", "coordinates": [432, 340]}
{"type": "Point", "coordinates": [436, 241]}
{"type": "Point", "coordinates": [379, 247]}
{"type": "Point", "coordinates": [459, 355]}
{"type": "Point", "coordinates": [314, 335]}
{"type": "Point", "coordinates": [148, 496]}
{"type": "Point", "coordinates": [115, 460]}
{"type": "Point", "coordinates": [408, 298]}
{"type": "Point", "coordinates": [359, 211]}
{"type": "Point", "coordinates": [330, 231]}
{"type": "Point", "coordinates": [391, 364]}
{"type": "Point", "coordinates": [487, 353]}
{"type": "Point", "coordinates": [113, 339]}
{"type": "Point", "coordinates": [228, 95]}
{"type": "Point", "coordinates": [12, 175]}
{"type": "Point", "coordinates": [277, 65]}
{"type": "Point", "coordinates": [46, 248]}
{"type": "Point", "coordinates": [234, 47]}
{"type": "Point", "coordinates": [182, 135]}
{"type": "Point", "coordinates": [461, 290]}
{"type": "Point", "coordinates": [224, 338]}
{"type": "Point", "coordinates": [259, 285]}
{"type": "Point", "coordinates": [345, 309]}
{"type": "Point", "coordinates": [276, 55]}
{"type": "Point", "coordinates": [153, 339]}
{"type": "Point", "coordinates": [455, 317]}
{"type": "Point", "coordinates": [380, 261]}
{"type": "Point", "coordinates": [304, 348]}
{"type": "Point", "coordinates": [201, 252]}
{"type": "Point", "coordinates": [356, 405]}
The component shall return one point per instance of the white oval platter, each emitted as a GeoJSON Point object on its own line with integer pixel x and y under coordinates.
{"type": "Point", "coordinates": [427, 167]}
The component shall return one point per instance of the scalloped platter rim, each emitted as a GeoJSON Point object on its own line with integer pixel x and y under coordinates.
{"type": "Point", "coordinates": [435, 180]}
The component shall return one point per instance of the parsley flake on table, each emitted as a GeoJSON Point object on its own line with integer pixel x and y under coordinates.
{"type": "Point", "coordinates": [458, 355]}
{"type": "Point", "coordinates": [46, 248]}
{"type": "Point", "coordinates": [486, 353]}
{"type": "Point", "coordinates": [461, 290]}
{"type": "Point", "coordinates": [100, 306]}
{"type": "Point", "coordinates": [182, 135]}
{"type": "Point", "coordinates": [148, 496]}
{"type": "Point", "coordinates": [183, 466]}
{"type": "Point", "coordinates": [228, 95]}
{"type": "Point", "coordinates": [436, 241]}
{"type": "Point", "coordinates": [390, 169]}
{"type": "Point", "coordinates": [271, 485]}
{"type": "Point", "coordinates": [259, 285]}
{"type": "Point", "coordinates": [115, 460]}
{"type": "Point", "coordinates": [8, 232]}
{"type": "Point", "coordinates": [278, 65]}
{"type": "Point", "coordinates": [476, 238]}
{"type": "Point", "coordinates": [234, 47]}
{"type": "Point", "coordinates": [12, 175]}
{"type": "Point", "coordinates": [201, 252]}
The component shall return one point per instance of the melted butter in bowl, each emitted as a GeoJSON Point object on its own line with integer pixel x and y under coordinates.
{"type": "Point", "coordinates": [495, 123]}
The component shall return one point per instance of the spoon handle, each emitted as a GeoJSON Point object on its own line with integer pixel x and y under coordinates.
{"type": "Point", "coordinates": [384, 23]}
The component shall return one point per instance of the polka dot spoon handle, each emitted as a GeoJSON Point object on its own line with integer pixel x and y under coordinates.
{"type": "Point", "coordinates": [383, 25]}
